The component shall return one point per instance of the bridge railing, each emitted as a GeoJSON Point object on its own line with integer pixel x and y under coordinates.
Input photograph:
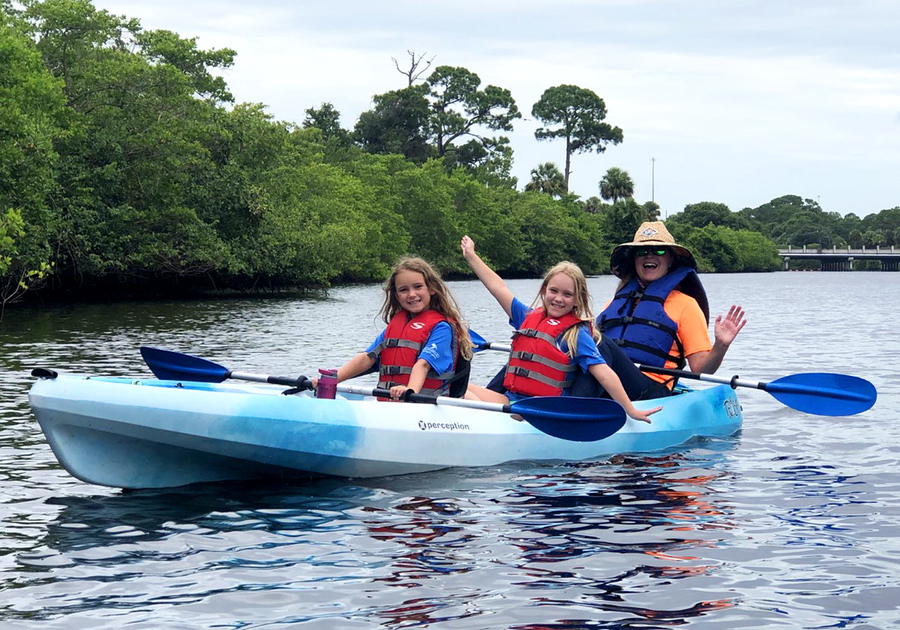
{"type": "Point", "coordinates": [878, 249]}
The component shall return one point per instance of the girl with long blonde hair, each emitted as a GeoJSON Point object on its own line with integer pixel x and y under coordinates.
{"type": "Point", "coordinates": [554, 337]}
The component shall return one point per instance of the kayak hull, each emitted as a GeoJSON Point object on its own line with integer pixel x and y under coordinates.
{"type": "Point", "coordinates": [151, 434]}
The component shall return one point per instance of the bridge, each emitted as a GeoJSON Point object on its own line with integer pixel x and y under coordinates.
{"type": "Point", "coordinates": [842, 259]}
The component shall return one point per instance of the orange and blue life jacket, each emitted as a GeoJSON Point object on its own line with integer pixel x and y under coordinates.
{"type": "Point", "coordinates": [637, 320]}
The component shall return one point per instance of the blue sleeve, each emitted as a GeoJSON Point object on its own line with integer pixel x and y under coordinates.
{"type": "Point", "coordinates": [586, 353]}
{"type": "Point", "coordinates": [518, 312]}
{"type": "Point", "coordinates": [374, 344]}
{"type": "Point", "coordinates": [438, 349]}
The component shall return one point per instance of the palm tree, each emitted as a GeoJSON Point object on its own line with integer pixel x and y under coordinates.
{"type": "Point", "coordinates": [547, 178]}
{"type": "Point", "coordinates": [616, 184]}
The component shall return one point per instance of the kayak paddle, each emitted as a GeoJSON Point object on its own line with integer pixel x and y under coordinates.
{"type": "Point", "coordinates": [479, 343]}
{"type": "Point", "coordinates": [819, 393]}
{"type": "Point", "coordinates": [567, 418]}
{"type": "Point", "coordinates": [168, 365]}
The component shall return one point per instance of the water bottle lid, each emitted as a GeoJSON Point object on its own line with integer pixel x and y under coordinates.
{"type": "Point", "coordinates": [328, 371]}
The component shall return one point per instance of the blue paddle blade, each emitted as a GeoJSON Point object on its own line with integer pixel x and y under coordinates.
{"type": "Point", "coordinates": [478, 341]}
{"type": "Point", "coordinates": [572, 418]}
{"type": "Point", "coordinates": [175, 366]}
{"type": "Point", "coordinates": [823, 393]}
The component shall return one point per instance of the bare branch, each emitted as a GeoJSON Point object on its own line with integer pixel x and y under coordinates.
{"type": "Point", "coordinates": [414, 73]}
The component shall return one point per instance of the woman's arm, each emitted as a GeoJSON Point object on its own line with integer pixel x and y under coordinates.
{"type": "Point", "coordinates": [727, 328]}
{"type": "Point", "coordinates": [488, 276]}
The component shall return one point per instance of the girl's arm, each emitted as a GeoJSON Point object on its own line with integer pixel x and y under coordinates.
{"type": "Point", "coordinates": [609, 380]}
{"type": "Point", "coordinates": [416, 380]}
{"type": "Point", "coordinates": [355, 366]}
{"type": "Point", "coordinates": [488, 276]}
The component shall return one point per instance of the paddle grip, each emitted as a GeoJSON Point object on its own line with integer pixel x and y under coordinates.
{"type": "Point", "coordinates": [408, 396]}
{"type": "Point", "coordinates": [300, 382]}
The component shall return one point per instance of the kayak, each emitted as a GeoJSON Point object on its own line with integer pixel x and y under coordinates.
{"type": "Point", "coordinates": [153, 433]}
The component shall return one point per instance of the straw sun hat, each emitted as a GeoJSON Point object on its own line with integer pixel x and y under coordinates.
{"type": "Point", "coordinates": [651, 233]}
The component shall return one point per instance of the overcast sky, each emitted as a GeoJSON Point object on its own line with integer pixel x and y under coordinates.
{"type": "Point", "coordinates": [732, 101]}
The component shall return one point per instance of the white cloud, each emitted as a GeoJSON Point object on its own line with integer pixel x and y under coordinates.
{"type": "Point", "coordinates": [739, 101]}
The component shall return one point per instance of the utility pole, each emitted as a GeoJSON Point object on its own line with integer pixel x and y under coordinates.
{"type": "Point", "coordinates": [653, 179]}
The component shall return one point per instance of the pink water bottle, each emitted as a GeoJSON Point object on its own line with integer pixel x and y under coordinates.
{"type": "Point", "coordinates": [327, 384]}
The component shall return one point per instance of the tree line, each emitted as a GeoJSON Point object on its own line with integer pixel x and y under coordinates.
{"type": "Point", "coordinates": [126, 168]}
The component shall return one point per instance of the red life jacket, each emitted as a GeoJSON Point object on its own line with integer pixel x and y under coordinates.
{"type": "Point", "coordinates": [404, 338]}
{"type": "Point", "coordinates": [537, 367]}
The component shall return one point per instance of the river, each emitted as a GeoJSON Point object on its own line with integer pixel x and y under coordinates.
{"type": "Point", "coordinates": [793, 523]}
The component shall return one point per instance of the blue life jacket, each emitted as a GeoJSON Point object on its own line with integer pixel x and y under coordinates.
{"type": "Point", "coordinates": [638, 323]}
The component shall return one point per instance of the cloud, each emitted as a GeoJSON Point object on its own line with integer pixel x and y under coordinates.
{"type": "Point", "coordinates": [738, 101]}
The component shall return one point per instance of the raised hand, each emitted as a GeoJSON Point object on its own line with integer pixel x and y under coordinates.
{"type": "Point", "coordinates": [468, 246]}
{"type": "Point", "coordinates": [728, 327]}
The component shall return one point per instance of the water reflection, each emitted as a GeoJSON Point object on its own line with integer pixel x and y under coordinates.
{"type": "Point", "coordinates": [650, 507]}
{"type": "Point", "coordinates": [598, 535]}
{"type": "Point", "coordinates": [145, 516]}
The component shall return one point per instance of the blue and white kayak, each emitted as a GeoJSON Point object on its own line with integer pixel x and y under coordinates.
{"type": "Point", "coordinates": [153, 433]}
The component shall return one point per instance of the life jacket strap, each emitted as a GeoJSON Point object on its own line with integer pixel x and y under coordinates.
{"type": "Point", "coordinates": [531, 332]}
{"type": "Point", "coordinates": [518, 370]}
{"type": "Point", "coordinates": [396, 343]}
{"type": "Point", "coordinates": [536, 358]}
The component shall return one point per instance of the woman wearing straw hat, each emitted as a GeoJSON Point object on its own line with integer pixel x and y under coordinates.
{"type": "Point", "coordinates": [660, 315]}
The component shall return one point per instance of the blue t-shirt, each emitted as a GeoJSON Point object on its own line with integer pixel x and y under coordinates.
{"type": "Point", "coordinates": [586, 352]}
{"type": "Point", "coordinates": [438, 348]}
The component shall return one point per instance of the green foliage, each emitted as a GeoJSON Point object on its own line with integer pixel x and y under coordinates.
{"type": "Point", "coordinates": [328, 120]}
{"type": "Point", "coordinates": [885, 225]}
{"type": "Point", "coordinates": [616, 184]}
{"type": "Point", "coordinates": [322, 227]}
{"type": "Point", "coordinates": [165, 48]}
{"type": "Point", "coordinates": [32, 116]}
{"type": "Point", "coordinates": [547, 178]}
{"type": "Point", "coordinates": [460, 109]}
{"type": "Point", "coordinates": [397, 124]}
{"type": "Point", "coordinates": [790, 220]}
{"type": "Point", "coordinates": [652, 210]}
{"type": "Point", "coordinates": [124, 169]}
{"type": "Point", "coordinates": [581, 113]}
{"type": "Point", "coordinates": [706, 212]}
{"type": "Point", "coordinates": [550, 231]}
{"type": "Point", "coordinates": [723, 249]}
{"type": "Point", "coordinates": [622, 219]}
{"type": "Point", "coordinates": [12, 228]}
{"type": "Point", "coordinates": [444, 118]}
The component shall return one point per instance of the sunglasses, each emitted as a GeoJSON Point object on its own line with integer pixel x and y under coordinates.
{"type": "Point", "coordinates": [656, 251]}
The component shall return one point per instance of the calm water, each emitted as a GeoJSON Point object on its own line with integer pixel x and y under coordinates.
{"type": "Point", "coordinates": [794, 523]}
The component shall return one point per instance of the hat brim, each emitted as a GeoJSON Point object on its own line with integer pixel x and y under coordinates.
{"type": "Point", "coordinates": [621, 261]}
